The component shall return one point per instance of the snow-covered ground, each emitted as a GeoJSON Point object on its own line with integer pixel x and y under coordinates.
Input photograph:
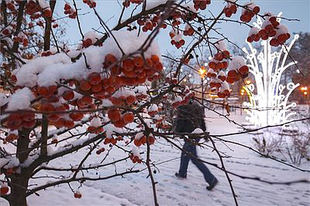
{"type": "Point", "coordinates": [135, 189]}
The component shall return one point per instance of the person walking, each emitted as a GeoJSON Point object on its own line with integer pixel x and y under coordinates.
{"type": "Point", "coordinates": [190, 117]}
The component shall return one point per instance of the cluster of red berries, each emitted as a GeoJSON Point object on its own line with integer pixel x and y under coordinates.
{"type": "Point", "coordinates": [77, 194]}
{"type": "Point", "coordinates": [4, 189]}
{"type": "Point", "coordinates": [281, 37]}
{"type": "Point", "coordinates": [55, 25]}
{"type": "Point", "coordinates": [70, 11]}
{"type": "Point", "coordinates": [46, 53]}
{"type": "Point", "coordinates": [201, 4]}
{"type": "Point", "coordinates": [178, 42]}
{"type": "Point", "coordinates": [7, 31]}
{"type": "Point", "coordinates": [176, 39]}
{"type": "Point", "coordinates": [134, 158]}
{"type": "Point", "coordinates": [51, 103]}
{"type": "Point", "coordinates": [235, 75]}
{"type": "Point", "coordinates": [188, 30]}
{"type": "Point", "coordinates": [134, 71]}
{"type": "Point", "coordinates": [215, 84]}
{"type": "Point", "coordinates": [123, 101]}
{"type": "Point", "coordinates": [22, 39]}
{"type": "Point", "coordinates": [224, 92]}
{"type": "Point", "coordinates": [33, 9]}
{"type": "Point", "coordinates": [127, 3]}
{"type": "Point", "coordinates": [230, 9]}
{"type": "Point", "coordinates": [95, 130]}
{"type": "Point", "coordinates": [188, 95]}
{"type": "Point", "coordinates": [87, 42]}
{"type": "Point", "coordinates": [40, 23]}
{"type": "Point", "coordinates": [162, 124]}
{"type": "Point", "coordinates": [255, 36]}
{"type": "Point", "coordinates": [8, 171]}
{"type": "Point", "coordinates": [16, 121]}
{"type": "Point", "coordinates": [100, 150]}
{"type": "Point", "coordinates": [119, 119]}
{"type": "Point", "coordinates": [54, 140]}
{"type": "Point", "coordinates": [131, 71]}
{"type": "Point", "coordinates": [112, 140]}
{"type": "Point", "coordinates": [11, 137]}
{"type": "Point", "coordinates": [11, 6]}
{"type": "Point", "coordinates": [153, 111]}
{"type": "Point", "coordinates": [219, 62]}
{"type": "Point", "coordinates": [220, 79]}
{"type": "Point", "coordinates": [176, 19]}
{"type": "Point", "coordinates": [271, 28]}
{"type": "Point", "coordinates": [248, 12]}
{"type": "Point", "coordinates": [148, 23]}
{"type": "Point", "coordinates": [143, 140]}
{"type": "Point", "coordinates": [90, 3]}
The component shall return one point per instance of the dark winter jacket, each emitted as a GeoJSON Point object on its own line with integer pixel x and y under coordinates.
{"type": "Point", "coordinates": [189, 117]}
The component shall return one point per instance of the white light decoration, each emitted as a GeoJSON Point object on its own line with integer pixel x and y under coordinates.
{"type": "Point", "coordinates": [269, 98]}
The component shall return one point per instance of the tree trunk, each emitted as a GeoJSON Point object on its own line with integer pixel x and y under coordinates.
{"type": "Point", "coordinates": [19, 184]}
{"type": "Point", "coordinates": [19, 181]}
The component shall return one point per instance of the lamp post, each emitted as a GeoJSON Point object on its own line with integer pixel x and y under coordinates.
{"type": "Point", "coordinates": [305, 93]}
{"type": "Point", "coordinates": [202, 71]}
{"type": "Point", "coordinates": [242, 93]}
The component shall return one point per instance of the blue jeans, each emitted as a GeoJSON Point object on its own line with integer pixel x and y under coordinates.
{"type": "Point", "coordinates": [191, 149]}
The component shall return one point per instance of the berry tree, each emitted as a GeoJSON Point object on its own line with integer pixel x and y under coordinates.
{"type": "Point", "coordinates": [98, 93]}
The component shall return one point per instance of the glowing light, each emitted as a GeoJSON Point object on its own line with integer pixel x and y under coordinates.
{"type": "Point", "coordinates": [305, 93]}
{"type": "Point", "coordinates": [202, 71]}
{"type": "Point", "coordinates": [247, 82]}
{"type": "Point", "coordinates": [268, 103]}
{"type": "Point", "coordinates": [242, 92]}
{"type": "Point", "coordinates": [304, 88]}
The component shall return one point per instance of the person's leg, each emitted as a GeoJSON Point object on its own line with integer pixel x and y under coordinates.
{"type": "Point", "coordinates": [184, 159]}
{"type": "Point", "coordinates": [209, 177]}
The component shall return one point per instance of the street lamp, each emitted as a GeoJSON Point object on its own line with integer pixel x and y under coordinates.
{"type": "Point", "coordinates": [305, 92]}
{"type": "Point", "coordinates": [202, 71]}
{"type": "Point", "coordinates": [242, 92]}
{"type": "Point", "coordinates": [248, 82]}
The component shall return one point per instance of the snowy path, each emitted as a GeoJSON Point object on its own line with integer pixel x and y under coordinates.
{"type": "Point", "coordinates": [135, 189]}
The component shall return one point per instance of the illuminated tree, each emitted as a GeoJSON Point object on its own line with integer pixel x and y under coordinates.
{"type": "Point", "coordinates": [268, 100]}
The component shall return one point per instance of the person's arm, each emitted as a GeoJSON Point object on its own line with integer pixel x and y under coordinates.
{"type": "Point", "coordinates": [202, 121]}
{"type": "Point", "coordinates": [179, 120]}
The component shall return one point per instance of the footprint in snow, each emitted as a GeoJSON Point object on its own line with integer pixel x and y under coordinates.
{"type": "Point", "coordinates": [182, 195]}
{"type": "Point", "coordinates": [215, 199]}
{"type": "Point", "coordinates": [171, 198]}
{"type": "Point", "coordinates": [182, 204]}
{"type": "Point", "coordinates": [160, 190]}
